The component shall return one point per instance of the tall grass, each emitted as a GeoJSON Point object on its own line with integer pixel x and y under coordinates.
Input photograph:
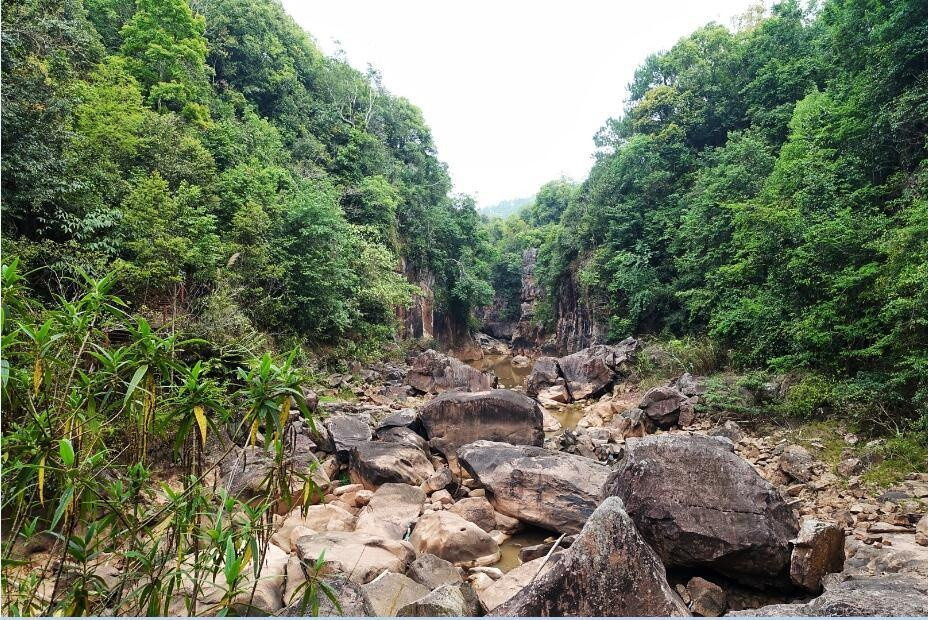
{"type": "Point", "coordinates": [97, 404]}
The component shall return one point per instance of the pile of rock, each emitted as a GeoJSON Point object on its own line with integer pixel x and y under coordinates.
{"type": "Point", "coordinates": [588, 373]}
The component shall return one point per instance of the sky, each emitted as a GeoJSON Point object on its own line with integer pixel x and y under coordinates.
{"type": "Point", "coordinates": [513, 90]}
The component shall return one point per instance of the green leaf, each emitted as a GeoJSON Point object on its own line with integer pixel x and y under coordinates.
{"type": "Point", "coordinates": [133, 384]}
{"type": "Point", "coordinates": [66, 450]}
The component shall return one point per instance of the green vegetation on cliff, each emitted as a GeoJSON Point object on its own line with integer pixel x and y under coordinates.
{"type": "Point", "coordinates": [768, 189]}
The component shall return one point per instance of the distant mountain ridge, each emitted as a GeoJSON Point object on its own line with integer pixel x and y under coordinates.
{"type": "Point", "coordinates": [506, 207]}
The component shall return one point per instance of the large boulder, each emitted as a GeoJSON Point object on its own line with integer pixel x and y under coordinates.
{"type": "Point", "coordinates": [662, 405]}
{"type": "Point", "coordinates": [346, 432]}
{"type": "Point", "coordinates": [391, 510]}
{"type": "Point", "coordinates": [817, 551]}
{"type": "Point", "coordinates": [358, 555]}
{"type": "Point", "coordinates": [609, 570]}
{"type": "Point", "coordinates": [348, 594]}
{"type": "Point", "coordinates": [390, 592]}
{"type": "Point", "coordinates": [453, 538]}
{"type": "Point", "coordinates": [881, 595]}
{"type": "Point", "coordinates": [433, 372]}
{"type": "Point", "coordinates": [553, 490]}
{"type": "Point", "coordinates": [701, 505]}
{"type": "Point", "coordinates": [447, 601]}
{"type": "Point", "coordinates": [454, 419]}
{"type": "Point", "coordinates": [374, 463]}
{"type": "Point", "coordinates": [545, 373]}
{"type": "Point", "coordinates": [433, 572]}
{"type": "Point", "coordinates": [589, 372]}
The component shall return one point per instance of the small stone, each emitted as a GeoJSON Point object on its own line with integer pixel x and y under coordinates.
{"type": "Point", "coordinates": [493, 573]}
{"type": "Point", "coordinates": [442, 497]}
{"type": "Point", "coordinates": [477, 493]}
{"type": "Point", "coordinates": [707, 598]}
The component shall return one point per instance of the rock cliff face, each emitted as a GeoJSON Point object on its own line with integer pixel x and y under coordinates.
{"type": "Point", "coordinates": [577, 327]}
{"type": "Point", "coordinates": [527, 334]}
{"type": "Point", "coordinates": [418, 321]}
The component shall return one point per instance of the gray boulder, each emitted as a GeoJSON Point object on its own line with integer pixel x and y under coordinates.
{"type": "Point", "coordinates": [663, 405]}
{"type": "Point", "coordinates": [433, 572]}
{"type": "Point", "coordinates": [454, 601]}
{"type": "Point", "coordinates": [346, 432]}
{"type": "Point", "coordinates": [609, 571]}
{"type": "Point", "coordinates": [882, 595]}
{"type": "Point", "coordinates": [589, 372]}
{"type": "Point", "coordinates": [454, 419]}
{"type": "Point", "coordinates": [701, 505]}
{"type": "Point", "coordinates": [374, 463]}
{"type": "Point", "coordinates": [433, 372]}
{"type": "Point", "coordinates": [553, 490]}
{"type": "Point", "coordinates": [545, 373]}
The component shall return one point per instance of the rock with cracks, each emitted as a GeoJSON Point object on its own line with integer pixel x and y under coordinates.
{"type": "Point", "coordinates": [454, 419]}
{"type": "Point", "coordinates": [553, 490]}
{"type": "Point", "coordinates": [701, 505]}
{"type": "Point", "coordinates": [608, 571]}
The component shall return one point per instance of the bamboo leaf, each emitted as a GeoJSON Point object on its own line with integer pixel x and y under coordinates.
{"type": "Point", "coordinates": [37, 373]}
{"type": "Point", "coordinates": [42, 480]}
{"type": "Point", "coordinates": [66, 450]}
{"type": "Point", "coordinates": [133, 384]}
{"type": "Point", "coordinates": [200, 416]}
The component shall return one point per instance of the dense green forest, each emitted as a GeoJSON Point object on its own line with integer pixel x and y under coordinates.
{"type": "Point", "coordinates": [767, 189]}
{"type": "Point", "coordinates": [221, 165]}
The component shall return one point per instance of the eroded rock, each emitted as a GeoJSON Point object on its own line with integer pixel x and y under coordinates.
{"type": "Point", "coordinates": [817, 551]}
{"type": "Point", "coordinates": [433, 372]}
{"type": "Point", "coordinates": [453, 538]}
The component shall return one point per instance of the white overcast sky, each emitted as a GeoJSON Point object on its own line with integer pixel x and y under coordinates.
{"type": "Point", "coordinates": [513, 89]}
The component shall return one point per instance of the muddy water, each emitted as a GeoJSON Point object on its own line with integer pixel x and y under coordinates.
{"type": "Point", "coordinates": [501, 365]}
{"type": "Point", "coordinates": [509, 550]}
{"type": "Point", "coordinates": [568, 416]}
